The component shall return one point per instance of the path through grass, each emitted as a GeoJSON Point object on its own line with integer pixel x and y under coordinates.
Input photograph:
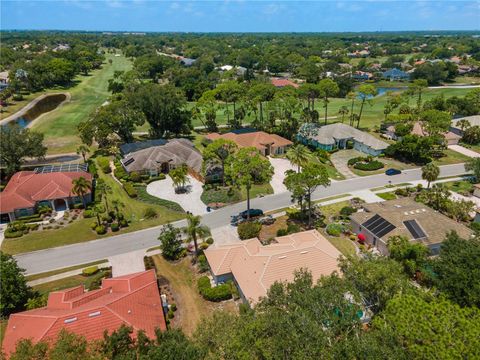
{"type": "Point", "coordinates": [60, 126]}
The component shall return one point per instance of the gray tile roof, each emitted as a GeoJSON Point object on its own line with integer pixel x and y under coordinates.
{"type": "Point", "coordinates": [474, 120]}
{"type": "Point", "coordinates": [328, 133]}
{"type": "Point", "coordinates": [175, 151]}
{"type": "Point", "coordinates": [139, 145]}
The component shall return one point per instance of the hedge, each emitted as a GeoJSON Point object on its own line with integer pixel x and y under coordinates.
{"type": "Point", "coordinates": [369, 166]}
{"type": "Point", "coordinates": [90, 271]}
{"type": "Point", "coordinates": [130, 189]}
{"type": "Point", "coordinates": [13, 234]}
{"type": "Point", "coordinates": [120, 172]}
{"type": "Point", "coordinates": [87, 214]}
{"type": "Point", "coordinates": [101, 230]}
{"type": "Point", "coordinates": [217, 293]}
{"type": "Point", "coordinates": [334, 229]}
{"type": "Point", "coordinates": [248, 230]}
{"type": "Point", "coordinates": [104, 164]}
{"type": "Point", "coordinates": [156, 178]}
{"type": "Point", "coordinates": [115, 227]}
{"type": "Point", "coordinates": [30, 218]}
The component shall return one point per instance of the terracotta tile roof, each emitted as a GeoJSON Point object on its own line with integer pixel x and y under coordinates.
{"type": "Point", "coordinates": [25, 188]}
{"type": "Point", "coordinates": [258, 139]}
{"type": "Point", "coordinates": [133, 300]}
{"type": "Point", "coordinates": [256, 267]}
{"type": "Point", "coordinates": [278, 82]}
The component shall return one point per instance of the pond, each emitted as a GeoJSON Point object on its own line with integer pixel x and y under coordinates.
{"type": "Point", "coordinates": [43, 105]}
{"type": "Point", "coordinates": [383, 90]}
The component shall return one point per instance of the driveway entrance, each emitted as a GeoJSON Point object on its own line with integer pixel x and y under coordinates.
{"type": "Point", "coordinates": [279, 167]}
{"type": "Point", "coordinates": [340, 159]}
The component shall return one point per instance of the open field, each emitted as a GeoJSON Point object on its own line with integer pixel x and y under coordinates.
{"type": "Point", "coordinates": [60, 126]}
{"type": "Point", "coordinates": [183, 284]}
{"type": "Point", "coordinates": [80, 231]}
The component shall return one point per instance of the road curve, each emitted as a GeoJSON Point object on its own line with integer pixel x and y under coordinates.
{"type": "Point", "coordinates": [76, 254]}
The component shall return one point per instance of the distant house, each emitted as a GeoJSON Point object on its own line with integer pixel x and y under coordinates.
{"type": "Point", "coordinates": [267, 144]}
{"type": "Point", "coordinates": [187, 62]}
{"type": "Point", "coordinates": [405, 217]}
{"type": "Point", "coordinates": [160, 156]}
{"type": "Point", "coordinates": [3, 80]}
{"type": "Point", "coordinates": [254, 267]}
{"type": "Point", "coordinates": [337, 136]}
{"type": "Point", "coordinates": [131, 300]}
{"type": "Point", "coordinates": [362, 75]}
{"type": "Point", "coordinates": [50, 185]}
{"type": "Point", "coordinates": [395, 74]}
{"type": "Point", "coordinates": [474, 120]}
{"type": "Point", "coordinates": [239, 70]}
{"type": "Point", "coordinates": [280, 83]}
{"type": "Point", "coordinates": [61, 47]}
{"type": "Point", "coordinates": [450, 136]}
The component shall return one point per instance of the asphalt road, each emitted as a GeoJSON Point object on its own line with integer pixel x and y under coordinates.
{"type": "Point", "coordinates": [65, 256]}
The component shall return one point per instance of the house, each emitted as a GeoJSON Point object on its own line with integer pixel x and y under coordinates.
{"type": "Point", "coordinates": [133, 300]}
{"type": "Point", "coordinates": [395, 74]}
{"type": "Point", "coordinates": [451, 137]}
{"type": "Point", "coordinates": [61, 47]}
{"type": "Point", "coordinates": [362, 75]}
{"type": "Point", "coordinates": [405, 217]}
{"type": "Point", "coordinates": [254, 267]}
{"type": "Point", "coordinates": [187, 62]}
{"type": "Point", "coordinates": [267, 144]}
{"type": "Point", "coordinates": [473, 120]}
{"type": "Point", "coordinates": [280, 83]}
{"type": "Point", "coordinates": [160, 156]}
{"type": "Point", "coordinates": [49, 185]}
{"type": "Point", "coordinates": [337, 136]}
{"type": "Point", "coordinates": [3, 80]}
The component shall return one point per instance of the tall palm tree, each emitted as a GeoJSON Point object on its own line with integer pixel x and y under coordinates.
{"type": "Point", "coordinates": [117, 204]}
{"type": "Point", "coordinates": [83, 150]}
{"type": "Point", "coordinates": [81, 186]}
{"type": "Point", "coordinates": [430, 172]}
{"type": "Point", "coordinates": [299, 155]}
{"type": "Point", "coordinates": [343, 111]}
{"type": "Point", "coordinates": [179, 176]}
{"type": "Point", "coordinates": [104, 189]}
{"type": "Point", "coordinates": [195, 230]}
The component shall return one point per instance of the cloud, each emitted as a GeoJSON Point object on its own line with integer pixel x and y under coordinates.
{"type": "Point", "coordinates": [115, 4]}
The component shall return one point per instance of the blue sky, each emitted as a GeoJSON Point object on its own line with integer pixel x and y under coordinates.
{"type": "Point", "coordinates": [240, 16]}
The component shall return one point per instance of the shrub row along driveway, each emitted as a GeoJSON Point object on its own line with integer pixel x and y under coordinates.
{"type": "Point", "coordinates": [189, 201]}
{"type": "Point", "coordinates": [340, 159]}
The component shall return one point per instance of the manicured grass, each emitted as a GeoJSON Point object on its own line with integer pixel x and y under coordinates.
{"type": "Point", "coordinates": [333, 209]}
{"type": "Point", "coordinates": [153, 200]}
{"type": "Point", "coordinates": [60, 126]}
{"type": "Point", "coordinates": [387, 195]}
{"type": "Point", "coordinates": [80, 231]}
{"type": "Point", "coordinates": [3, 328]}
{"type": "Point", "coordinates": [451, 157]}
{"type": "Point", "coordinates": [68, 282]}
{"type": "Point", "coordinates": [256, 190]}
{"type": "Point", "coordinates": [183, 284]}
{"type": "Point", "coordinates": [332, 198]}
{"type": "Point", "coordinates": [61, 271]}
{"type": "Point", "coordinates": [342, 243]}
{"type": "Point", "coordinates": [389, 163]}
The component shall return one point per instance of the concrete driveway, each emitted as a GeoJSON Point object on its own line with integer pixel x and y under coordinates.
{"type": "Point", "coordinates": [279, 166]}
{"type": "Point", "coordinates": [464, 151]}
{"type": "Point", "coordinates": [189, 201]}
{"type": "Point", "coordinates": [340, 159]}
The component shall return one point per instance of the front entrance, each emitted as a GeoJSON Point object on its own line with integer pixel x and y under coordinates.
{"type": "Point", "coordinates": [60, 205]}
{"type": "Point", "coordinates": [165, 167]}
{"type": "Point", "coordinates": [4, 218]}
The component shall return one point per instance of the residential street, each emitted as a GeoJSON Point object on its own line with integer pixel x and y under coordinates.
{"type": "Point", "coordinates": [56, 258]}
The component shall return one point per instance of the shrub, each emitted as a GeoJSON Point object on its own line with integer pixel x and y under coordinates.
{"type": "Point", "coordinates": [92, 167]}
{"type": "Point", "coordinates": [282, 232]}
{"type": "Point", "coordinates": [130, 189]}
{"type": "Point", "coordinates": [88, 214]}
{"type": "Point", "coordinates": [355, 160]}
{"type": "Point", "coordinates": [107, 219]}
{"type": "Point", "coordinates": [17, 97]}
{"type": "Point", "coordinates": [209, 241]}
{"type": "Point", "coordinates": [401, 192]}
{"type": "Point", "coordinates": [123, 223]}
{"type": "Point", "coordinates": [293, 228]}
{"type": "Point", "coordinates": [78, 206]}
{"type": "Point", "coordinates": [156, 178]}
{"type": "Point", "coordinates": [115, 227]}
{"type": "Point", "coordinates": [120, 172]}
{"type": "Point", "coordinates": [30, 218]}
{"type": "Point", "coordinates": [202, 263]}
{"type": "Point", "coordinates": [173, 307]}
{"type": "Point", "coordinates": [135, 176]}
{"type": "Point", "coordinates": [150, 213]}
{"type": "Point", "coordinates": [217, 293]}
{"type": "Point", "coordinates": [346, 211]}
{"type": "Point", "coordinates": [101, 230]}
{"type": "Point", "coordinates": [334, 229]}
{"type": "Point", "coordinates": [170, 314]}
{"type": "Point", "coordinates": [9, 234]}
{"type": "Point", "coordinates": [203, 246]}
{"type": "Point", "coordinates": [93, 225]}
{"type": "Point", "coordinates": [248, 230]}
{"type": "Point", "coordinates": [90, 271]}
{"type": "Point", "coordinates": [104, 164]}
{"type": "Point", "coordinates": [475, 226]}
{"type": "Point", "coordinates": [369, 166]}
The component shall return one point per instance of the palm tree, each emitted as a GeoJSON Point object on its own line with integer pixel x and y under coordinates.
{"type": "Point", "coordinates": [117, 204]}
{"type": "Point", "coordinates": [195, 230]}
{"type": "Point", "coordinates": [179, 176]}
{"type": "Point", "coordinates": [343, 111]}
{"type": "Point", "coordinates": [299, 155]}
{"type": "Point", "coordinates": [430, 172]}
{"type": "Point", "coordinates": [351, 96]}
{"type": "Point", "coordinates": [83, 150]}
{"type": "Point", "coordinates": [81, 186]}
{"type": "Point", "coordinates": [104, 189]}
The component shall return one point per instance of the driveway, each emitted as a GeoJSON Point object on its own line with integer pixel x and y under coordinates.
{"type": "Point", "coordinates": [340, 159]}
{"type": "Point", "coordinates": [279, 166]}
{"type": "Point", "coordinates": [464, 151]}
{"type": "Point", "coordinates": [189, 201]}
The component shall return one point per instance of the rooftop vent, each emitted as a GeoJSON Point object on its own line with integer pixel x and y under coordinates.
{"type": "Point", "coordinates": [93, 314]}
{"type": "Point", "coordinates": [71, 320]}
{"type": "Point", "coordinates": [282, 257]}
{"type": "Point", "coordinates": [405, 213]}
{"type": "Point", "coordinates": [304, 252]}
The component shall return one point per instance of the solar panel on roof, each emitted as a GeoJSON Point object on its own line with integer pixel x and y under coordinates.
{"type": "Point", "coordinates": [378, 226]}
{"type": "Point", "coordinates": [61, 168]}
{"type": "Point", "coordinates": [414, 229]}
{"type": "Point", "coordinates": [128, 162]}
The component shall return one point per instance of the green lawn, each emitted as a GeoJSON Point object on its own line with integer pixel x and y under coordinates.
{"type": "Point", "coordinates": [68, 282]}
{"type": "Point", "coordinates": [461, 186]}
{"type": "Point", "coordinates": [60, 126]}
{"type": "Point", "coordinates": [387, 195]}
{"type": "Point", "coordinates": [61, 271]}
{"type": "Point", "coordinates": [80, 231]}
{"type": "Point", "coordinates": [389, 163]}
{"type": "Point", "coordinates": [451, 157]}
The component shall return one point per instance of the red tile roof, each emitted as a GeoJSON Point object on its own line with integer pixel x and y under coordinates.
{"type": "Point", "coordinates": [133, 300]}
{"type": "Point", "coordinates": [25, 188]}
{"type": "Point", "coordinates": [258, 139]}
{"type": "Point", "coordinates": [277, 82]}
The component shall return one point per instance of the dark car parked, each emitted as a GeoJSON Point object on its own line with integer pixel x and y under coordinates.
{"type": "Point", "coordinates": [392, 171]}
{"type": "Point", "coordinates": [253, 213]}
